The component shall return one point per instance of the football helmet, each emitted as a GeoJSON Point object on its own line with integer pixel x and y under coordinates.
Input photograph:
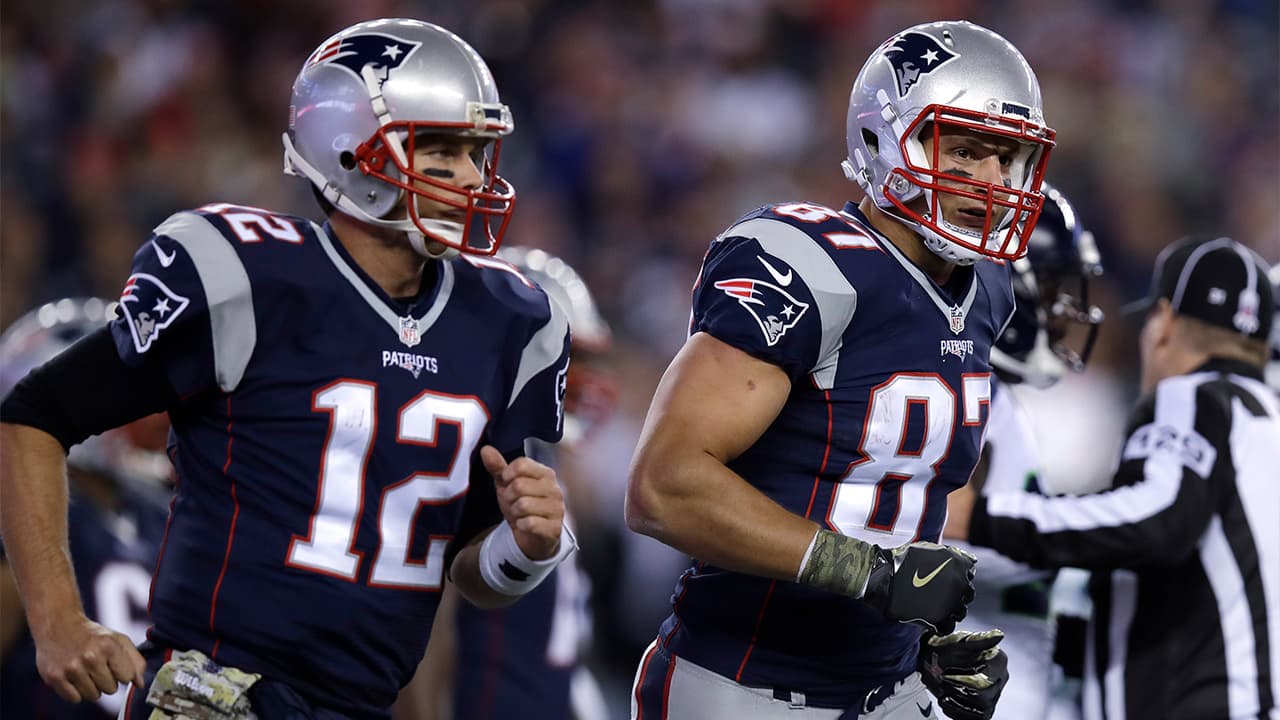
{"type": "Point", "coordinates": [940, 77]}
{"type": "Point", "coordinates": [361, 102]}
{"type": "Point", "coordinates": [1051, 286]}
{"type": "Point", "coordinates": [590, 392]}
{"type": "Point", "coordinates": [130, 455]}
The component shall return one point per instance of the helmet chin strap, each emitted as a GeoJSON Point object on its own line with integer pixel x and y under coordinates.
{"type": "Point", "coordinates": [946, 249]}
{"type": "Point", "coordinates": [295, 164]}
{"type": "Point", "coordinates": [445, 228]}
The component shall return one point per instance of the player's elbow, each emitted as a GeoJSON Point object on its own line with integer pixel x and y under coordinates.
{"type": "Point", "coordinates": [648, 505]}
{"type": "Point", "coordinates": [641, 506]}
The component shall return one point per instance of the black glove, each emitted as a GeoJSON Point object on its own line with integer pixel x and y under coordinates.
{"type": "Point", "coordinates": [965, 671]}
{"type": "Point", "coordinates": [923, 583]}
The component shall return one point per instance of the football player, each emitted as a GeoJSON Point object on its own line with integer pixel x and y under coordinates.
{"type": "Point", "coordinates": [833, 390]}
{"type": "Point", "coordinates": [119, 488]}
{"type": "Point", "coordinates": [349, 403]}
{"type": "Point", "coordinates": [524, 660]}
{"type": "Point", "coordinates": [1051, 285]}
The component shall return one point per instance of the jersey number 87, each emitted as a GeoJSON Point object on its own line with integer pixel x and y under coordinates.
{"type": "Point", "coordinates": [888, 491]}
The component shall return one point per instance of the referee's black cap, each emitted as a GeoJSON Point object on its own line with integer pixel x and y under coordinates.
{"type": "Point", "coordinates": [1214, 280]}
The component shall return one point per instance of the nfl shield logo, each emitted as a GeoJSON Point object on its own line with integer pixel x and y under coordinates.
{"type": "Point", "coordinates": [957, 320]}
{"type": "Point", "coordinates": [410, 337]}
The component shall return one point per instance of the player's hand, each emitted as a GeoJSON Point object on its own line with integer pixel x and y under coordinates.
{"type": "Point", "coordinates": [530, 500]}
{"type": "Point", "coordinates": [81, 659]}
{"type": "Point", "coordinates": [965, 671]}
{"type": "Point", "coordinates": [923, 583]}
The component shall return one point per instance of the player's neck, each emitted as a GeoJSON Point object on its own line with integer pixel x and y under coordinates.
{"type": "Point", "coordinates": [908, 242]}
{"type": "Point", "coordinates": [383, 254]}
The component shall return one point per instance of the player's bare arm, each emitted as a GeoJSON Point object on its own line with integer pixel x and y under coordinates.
{"type": "Point", "coordinates": [713, 402]}
{"type": "Point", "coordinates": [959, 509]}
{"type": "Point", "coordinates": [532, 508]}
{"type": "Point", "coordinates": [77, 657]}
{"type": "Point", "coordinates": [11, 614]}
{"type": "Point", "coordinates": [429, 696]}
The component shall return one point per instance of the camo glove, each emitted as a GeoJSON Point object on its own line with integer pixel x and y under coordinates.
{"type": "Point", "coordinates": [965, 671]}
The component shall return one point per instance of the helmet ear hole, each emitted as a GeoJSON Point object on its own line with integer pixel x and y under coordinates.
{"type": "Point", "coordinates": [871, 141]}
{"type": "Point", "coordinates": [347, 160]}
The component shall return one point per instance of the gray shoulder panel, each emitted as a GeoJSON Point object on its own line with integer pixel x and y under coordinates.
{"type": "Point", "coordinates": [542, 350]}
{"type": "Point", "coordinates": [835, 297]}
{"type": "Point", "coordinates": [227, 293]}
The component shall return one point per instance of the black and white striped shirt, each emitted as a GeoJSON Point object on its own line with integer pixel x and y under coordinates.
{"type": "Point", "coordinates": [1185, 549]}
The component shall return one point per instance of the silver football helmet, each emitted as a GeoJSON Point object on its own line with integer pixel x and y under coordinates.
{"type": "Point", "coordinates": [131, 455]}
{"type": "Point", "coordinates": [945, 76]}
{"type": "Point", "coordinates": [590, 391]}
{"type": "Point", "coordinates": [362, 100]}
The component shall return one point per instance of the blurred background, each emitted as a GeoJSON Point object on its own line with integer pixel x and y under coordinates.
{"type": "Point", "coordinates": [643, 129]}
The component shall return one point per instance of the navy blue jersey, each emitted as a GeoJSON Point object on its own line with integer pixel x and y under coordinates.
{"type": "Point", "coordinates": [518, 661]}
{"type": "Point", "coordinates": [113, 553]}
{"type": "Point", "coordinates": [890, 386]}
{"type": "Point", "coordinates": [325, 439]}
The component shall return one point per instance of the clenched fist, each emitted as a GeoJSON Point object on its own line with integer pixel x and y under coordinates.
{"type": "Point", "coordinates": [924, 583]}
{"type": "Point", "coordinates": [81, 660]}
{"type": "Point", "coordinates": [530, 500]}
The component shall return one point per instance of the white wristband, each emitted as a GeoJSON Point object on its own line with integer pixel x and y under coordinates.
{"type": "Point", "coordinates": [506, 568]}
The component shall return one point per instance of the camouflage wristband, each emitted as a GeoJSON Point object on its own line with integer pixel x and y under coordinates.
{"type": "Point", "coordinates": [838, 563]}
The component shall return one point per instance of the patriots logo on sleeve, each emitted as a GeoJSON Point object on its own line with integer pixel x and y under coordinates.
{"type": "Point", "coordinates": [562, 389]}
{"type": "Point", "coordinates": [384, 52]}
{"type": "Point", "coordinates": [914, 54]}
{"type": "Point", "coordinates": [149, 306]}
{"type": "Point", "coordinates": [775, 310]}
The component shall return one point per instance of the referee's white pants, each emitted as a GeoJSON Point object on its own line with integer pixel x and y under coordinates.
{"type": "Point", "coordinates": [667, 687]}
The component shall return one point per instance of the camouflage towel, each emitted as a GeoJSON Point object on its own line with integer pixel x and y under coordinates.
{"type": "Point", "coordinates": [192, 687]}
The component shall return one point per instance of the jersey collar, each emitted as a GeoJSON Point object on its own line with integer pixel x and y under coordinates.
{"type": "Point", "coordinates": [421, 315]}
{"type": "Point", "coordinates": [931, 288]}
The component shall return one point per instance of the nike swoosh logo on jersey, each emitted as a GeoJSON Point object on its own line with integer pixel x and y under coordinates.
{"type": "Point", "coordinates": [783, 279]}
{"type": "Point", "coordinates": [918, 581]}
{"type": "Point", "coordinates": [166, 259]}
{"type": "Point", "coordinates": [927, 710]}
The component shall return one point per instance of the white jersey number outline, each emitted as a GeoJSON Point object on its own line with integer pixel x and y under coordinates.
{"type": "Point", "coordinates": [882, 498]}
{"type": "Point", "coordinates": [329, 545]}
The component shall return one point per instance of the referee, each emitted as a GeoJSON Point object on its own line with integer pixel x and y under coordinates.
{"type": "Point", "coordinates": [1185, 545]}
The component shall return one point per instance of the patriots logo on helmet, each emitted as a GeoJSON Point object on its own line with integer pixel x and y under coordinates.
{"type": "Point", "coordinates": [384, 52]}
{"type": "Point", "coordinates": [149, 306]}
{"type": "Point", "coordinates": [774, 309]}
{"type": "Point", "coordinates": [914, 54]}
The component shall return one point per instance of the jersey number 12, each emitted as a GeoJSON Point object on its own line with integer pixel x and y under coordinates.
{"type": "Point", "coordinates": [329, 546]}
